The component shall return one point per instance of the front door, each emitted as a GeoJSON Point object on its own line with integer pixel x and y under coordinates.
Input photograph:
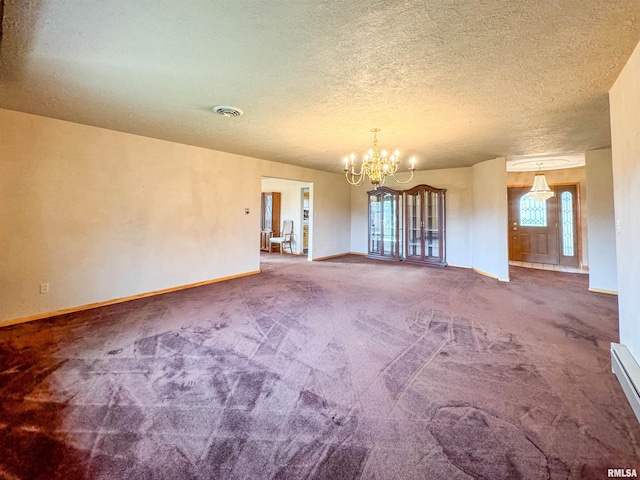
{"type": "Point", "coordinates": [544, 231]}
{"type": "Point", "coordinates": [533, 228]}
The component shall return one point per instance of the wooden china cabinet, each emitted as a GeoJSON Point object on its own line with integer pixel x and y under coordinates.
{"type": "Point", "coordinates": [407, 225]}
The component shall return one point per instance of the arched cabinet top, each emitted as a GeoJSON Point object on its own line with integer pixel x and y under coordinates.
{"type": "Point", "coordinates": [423, 187]}
{"type": "Point", "coordinates": [384, 190]}
{"type": "Point", "coordinates": [412, 190]}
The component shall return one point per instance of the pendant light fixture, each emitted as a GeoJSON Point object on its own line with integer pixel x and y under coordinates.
{"type": "Point", "coordinates": [540, 189]}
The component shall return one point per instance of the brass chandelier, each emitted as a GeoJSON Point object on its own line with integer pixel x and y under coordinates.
{"type": "Point", "coordinates": [376, 165]}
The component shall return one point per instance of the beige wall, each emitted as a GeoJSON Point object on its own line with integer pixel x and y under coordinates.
{"type": "Point", "coordinates": [601, 217]}
{"type": "Point", "coordinates": [290, 205]}
{"type": "Point", "coordinates": [490, 253]}
{"type": "Point", "coordinates": [555, 177]}
{"type": "Point", "coordinates": [102, 215]}
{"type": "Point", "coordinates": [458, 213]}
{"type": "Point", "coordinates": [624, 99]}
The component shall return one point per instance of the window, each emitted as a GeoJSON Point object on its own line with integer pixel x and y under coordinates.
{"type": "Point", "coordinates": [533, 213]}
{"type": "Point", "coordinates": [566, 202]}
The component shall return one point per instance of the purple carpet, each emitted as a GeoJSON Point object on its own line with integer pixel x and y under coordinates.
{"type": "Point", "coordinates": [342, 369]}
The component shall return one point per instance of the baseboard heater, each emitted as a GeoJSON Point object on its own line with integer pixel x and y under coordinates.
{"type": "Point", "coordinates": [627, 370]}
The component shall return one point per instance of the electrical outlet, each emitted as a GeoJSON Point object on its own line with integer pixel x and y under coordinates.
{"type": "Point", "coordinates": [246, 211]}
{"type": "Point", "coordinates": [44, 287]}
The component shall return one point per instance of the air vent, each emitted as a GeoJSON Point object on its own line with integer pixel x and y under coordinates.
{"type": "Point", "coordinates": [227, 111]}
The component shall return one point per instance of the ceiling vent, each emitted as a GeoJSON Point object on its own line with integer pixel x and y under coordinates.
{"type": "Point", "coordinates": [226, 111]}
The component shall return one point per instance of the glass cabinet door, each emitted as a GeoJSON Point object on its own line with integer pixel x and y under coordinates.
{"type": "Point", "coordinates": [390, 223]}
{"type": "Point", "coordinates": [432, 228]}
{"type": "Point", "coordinates": [414, 225]}
{"type": "Point", "coordinates": [424, 206]}
{"type": "Point", "coordinates": [375, 223]}
{"type": "Point", "coordinates": [384, 223]}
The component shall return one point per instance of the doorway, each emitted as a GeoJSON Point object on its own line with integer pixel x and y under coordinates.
{"type": "Point", "coordinates": [545, 231]}
{"type": "Point", "coordinates": [292, 201]}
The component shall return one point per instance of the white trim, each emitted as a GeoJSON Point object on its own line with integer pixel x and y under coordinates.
{"type": "Point", "coordinates": [627, 370]}
{"type": "Point", "coordinates": [89, 306]}
{"type": "Point", "coordinates": [600, 290]}
{"type": "Point", "coordinates": [490, 275]}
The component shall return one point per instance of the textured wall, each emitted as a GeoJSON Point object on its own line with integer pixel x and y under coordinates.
{"type": "Point", "coordinates": [101, 214]}
{"type": "Point", "coordinates": [625, 132]}
{"type": "Point", "coordinates": [602, 228]}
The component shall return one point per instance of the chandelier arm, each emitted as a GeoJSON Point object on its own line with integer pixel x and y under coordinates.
{"type": "Point", "coordinates": [401, 182]}
{"type": "Point", "coordinates": [355, 183]}
{"type": "Point", "coordinates": [352, 170]}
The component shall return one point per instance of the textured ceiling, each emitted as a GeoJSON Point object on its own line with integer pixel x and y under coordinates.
{"type": "Point", "coordinates": [452, 82]}
{"type": "Point", "coordinates": [531, 163]}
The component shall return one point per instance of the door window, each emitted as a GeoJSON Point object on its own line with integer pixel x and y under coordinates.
{"type": "Point", "coordinates": [533, 212]}
{"type": "Point", "coordinates": [566, 208]}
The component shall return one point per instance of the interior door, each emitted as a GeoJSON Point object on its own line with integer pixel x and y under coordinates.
{"type": "Point", "coordinates": [533, 228]}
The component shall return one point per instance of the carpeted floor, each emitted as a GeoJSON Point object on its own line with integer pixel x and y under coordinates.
{"type": "Point", "coordinates": [342, 369]}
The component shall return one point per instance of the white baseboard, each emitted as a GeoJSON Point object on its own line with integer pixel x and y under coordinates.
{"type": "Point", "coordinates": [600, 290]}
{"type": "Point", "coordinates": [490, 275]}
{"type": "Point", "coordinates": [627, 370]}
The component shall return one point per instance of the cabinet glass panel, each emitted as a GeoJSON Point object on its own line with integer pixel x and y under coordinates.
{"type": "Point", "coordinates": [384, 229]}
{"type": "Point", "coordinates": [390, 229]}
{"type": "Point", "coordinates": [432, 228]}
{"type": "Point", "coordinates": [375, 223]}
{"type": "Point", "coordinates": [414, 230]}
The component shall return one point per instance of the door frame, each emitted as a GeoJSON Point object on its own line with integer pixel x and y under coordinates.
{"type": "Point", "coordinates": [577, 216]}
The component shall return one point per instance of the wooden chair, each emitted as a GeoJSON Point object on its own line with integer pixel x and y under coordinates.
{"type": "Point", "coordinates": [284, 238]}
